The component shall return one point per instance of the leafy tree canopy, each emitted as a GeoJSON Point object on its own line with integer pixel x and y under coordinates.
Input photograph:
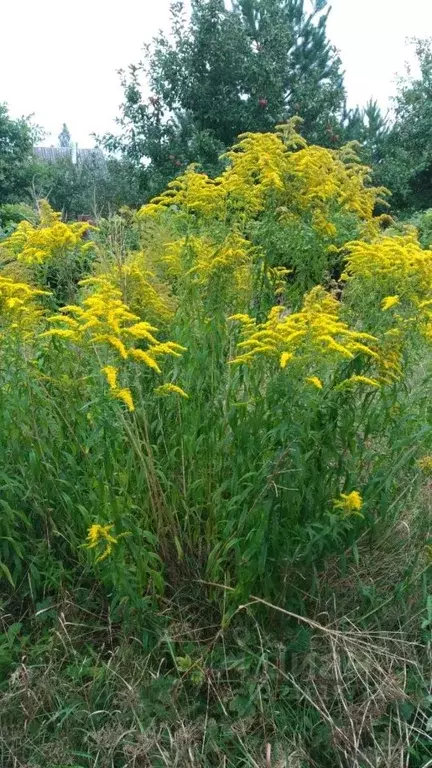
{"type": "Point", "coordinates": [16, 143]}
{"type": "Point", "coordinates": [223, 71]}
{"type": "Point", "coordinates": [405, 162]}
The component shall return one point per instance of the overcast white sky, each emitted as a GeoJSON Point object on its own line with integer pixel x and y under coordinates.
{"type": "Point", "coordinates": [59, 60]}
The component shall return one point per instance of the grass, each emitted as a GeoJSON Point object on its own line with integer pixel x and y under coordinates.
{"type": "Point", "coordinates": [343, 682]}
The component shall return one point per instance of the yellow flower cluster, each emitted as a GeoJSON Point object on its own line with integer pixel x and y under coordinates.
{"type": "Point", "coordinates": [425, 464]}
{"type": "Point", "coordinates": [280, 167]}
{"type": "Point", "coordinates": [349, 504]}
{"type": "Point", "coordinates": [193, 192]}
{"type": "Point", "coordinates": [306, 335]}
{"type": "Point", "coordinates": [101, 534]}
{"type": "Point", "coordinates": [337, 176]}
{"type": "Point", "coordinates": [170, 389]}
{"type": "Point", "coordinates": [400, 267]}
{"type": "Point", "coordinates": [390, 360]}
{"type": "Point", "coordinates": [17, 306]}
{"type": "Point", "coordinates": [104, 319]}
{"type": "Point", "coordinates": [315, 381]}
{"type": "Point", "coordinates": [389, 301]}
{"type": "Point", "coordinates": [398, 264]}
{"type": "Point", "coordinates": [359, 380]}
{"type": "Point", "coordinates": [258, 166]}
{"type": "Point", "coordinates": [201, 258]}
{"type": "Point", "coordinates": [36, 245]}
{"type": "Point", "coordinates": [141, 291]}
{"type": "Point", "coordinates": [120, 393]}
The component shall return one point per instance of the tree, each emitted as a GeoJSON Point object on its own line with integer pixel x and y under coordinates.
{"type": "Point", "coordinates": [96, 187]}
{"type": "Point", "coordinates": [405, 164]}
{"type": "Point", "coordinates": [65, 139]}
{"type": "Point", "coordinates": [225, 71]}
{"type": "Point", "coordinates": [16, 144]}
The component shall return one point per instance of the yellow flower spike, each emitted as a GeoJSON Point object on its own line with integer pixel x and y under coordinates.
{"type": "Point", "coordinates": [425, 464]}
{"type": "Point", "coordinates": [285, 358]}
{"type": "Point", "coordinates": [166, 389]}
{"type": "Point", "coordinates": [63, 319]}
{"type": "Point", "coordinates": [353, 380]}
{"type": "Point", "coordinates": [399, 261]}
{"type": "Point", "coordinates": [241, 318]}
{"type": "Point", "coordinates": [314, 330]}
{"type": "Point", "coordinates": [315, 381]}
{"type": "Point", "coordinates": [104, 319]}
{"type": "Point", "coordinates": [18, 308]}
{"type": "Point", "coordinates": [349, 504]}
{"type": "Point", "coordinates": [125, 395]}
{"type": "Point", "coordinates": [62, 333]}
{"type": "Point", "coordinates": [334, 346]}
{"type": "Point", "coordinates": [142, 331]}
{"type": "Point", "coordinates": [389, 302]}
{"type": "Point", "coordinates": [144, 357]}
{"type": "Point", "coordinates": [40, 244]}
{"type": "Point", "coordinates": [100, 534]}
{"type": "Point", "coordinates": [111, 375]}
{"type": "Point", "coordinates": [113, 342]}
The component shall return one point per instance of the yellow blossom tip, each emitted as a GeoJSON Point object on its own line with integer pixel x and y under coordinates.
{"type": "Point", "coordinates": [349, 504]}
{"type": "Point", "coordinates": [285, 358]}
{"type": "Point", "coordinates": [166, 389]}
{"type": "Point", "coordinates": [389, 302]}
{"type": "Point", "coordinates": [315, 381]}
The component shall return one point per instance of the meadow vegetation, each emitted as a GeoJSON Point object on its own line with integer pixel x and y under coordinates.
{"type": "Point", "coordinates": [216, 442]}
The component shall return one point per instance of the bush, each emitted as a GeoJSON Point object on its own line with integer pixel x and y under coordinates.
{"type": "Point", "coordinates": [191, 422]}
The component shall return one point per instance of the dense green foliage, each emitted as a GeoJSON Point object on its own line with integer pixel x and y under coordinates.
{"type": "Point", "coordinates": [405, 153]}
{"type": "Point", "coordinates": [225, 71]}
{"type": "Point", "coordinates": [97, 187]}
{"type": "Point", "coordinates": [215, 537]}
{"type": "Point", "coordinates": [16, 143]}
{"type": "Point", "coordinates": [215, 416]}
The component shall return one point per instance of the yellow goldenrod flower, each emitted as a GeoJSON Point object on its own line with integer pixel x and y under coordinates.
{"type": "Point", "coordinates": [39, 244]}
{"type": "Point", "coordinates": [104, 319]}
{"type": "Point", "coordinates": [101, 534]}
{"type": "Point", "coordinates": [322, 225]}
{"type": "Point", "coordinates": [166, 389]}
{"type": "Point", "coordinates": [389, 302]}
{"type": "Point", "coordinates": [314, 330]}
{"type": "Point", "coordinates": [397, 261]}
{"type": "Point", "coordinates": [282, 165]}
{"type": "Point", "coordinates": [285, 358]}
{"type": "Point", "coordinates": [241, 318]}
{"type": "Point", "coordinates": [315, 381]}
{"type": "Point", "coordinates": [144, 357]}
{"type": "Point", "coordinates": [63, 319]}
{"type": "Point", "coordinates": [359, 380]}
{"type": "Point", "coordinates": [62, 333]}
{"type": "Point", "coordinates": [425, 463]}
{"type": "Point", "coordinates": [113, 341]}
{"type": "Point", "coordinates": [126, 396]}
{"type": "Point", "coordinates": [111, 375]}
{"type": "Point", "coordinates": [18, 308]}
{"type": "Point", "coordinates": [349, 504]}
{"type": "Point", "coordinates": [123, 394]}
